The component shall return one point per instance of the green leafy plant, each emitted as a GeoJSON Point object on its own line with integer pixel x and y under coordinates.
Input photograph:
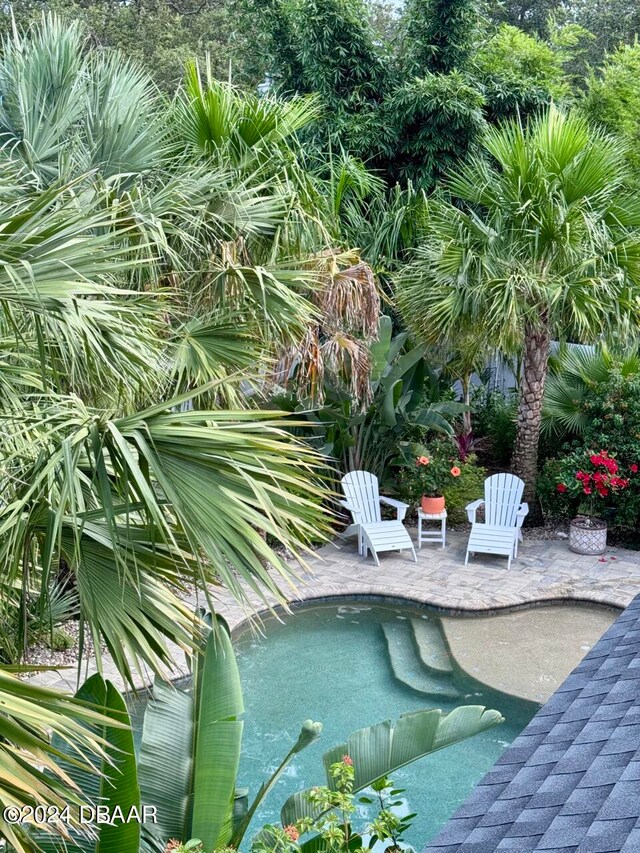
{"type": "Point", "coordinates": [333, 829]}
{"type": "Point", "coordinates": [429, 473]}
{"type": "Point", "coordinates": [460, 491]}
{"type": "Point", "coordinates": [494, 417]}
{"type": "Point", "coordinates": [446, 475]}
{"type": "Point", "coordinates": [608, 416]}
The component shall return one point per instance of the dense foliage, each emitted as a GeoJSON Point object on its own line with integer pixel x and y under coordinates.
{"type": "Point", "coordinates": [611, 421]}
{"type": "Point", "coordinates": [519, 247]}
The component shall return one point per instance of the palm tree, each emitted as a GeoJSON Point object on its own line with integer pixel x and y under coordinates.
{"type": "Point", "coordinates": [538, 238]}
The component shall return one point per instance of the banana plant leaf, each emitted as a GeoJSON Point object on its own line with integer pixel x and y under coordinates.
{"type": "Point", "coordinates": [114, 783]}
{"type": "Point", "coordinates": [379, 750]}
{"type": "Point", "coordinates": [190, 748]}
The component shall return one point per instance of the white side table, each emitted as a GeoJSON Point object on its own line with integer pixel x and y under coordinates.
{"type": "Point", "coordinates": [426, 535]}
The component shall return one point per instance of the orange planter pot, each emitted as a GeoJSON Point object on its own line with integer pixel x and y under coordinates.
{"type": "Point", "coordinates": [432, 506]}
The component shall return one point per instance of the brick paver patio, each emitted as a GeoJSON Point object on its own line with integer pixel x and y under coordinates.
{"type": "Point", "coordinates": [544, 571]}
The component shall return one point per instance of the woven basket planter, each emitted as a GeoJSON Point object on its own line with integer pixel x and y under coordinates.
{"type": "Point", "coordinates": [587, 535]}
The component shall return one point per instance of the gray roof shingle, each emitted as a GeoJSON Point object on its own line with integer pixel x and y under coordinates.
{"type": "Point", "coordinates": [571, 781]}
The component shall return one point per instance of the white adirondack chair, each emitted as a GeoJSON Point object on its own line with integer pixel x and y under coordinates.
{"type": "Point", "coordinates": [363, 501]}
{"type": "Point", "coordinates": [504, 514]}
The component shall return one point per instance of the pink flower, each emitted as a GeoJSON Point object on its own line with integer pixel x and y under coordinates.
{"type": "Point", "coordinates": [346, 759]}
{"type": "Point", "coordinates": [455, 471]}
{"type": "Point", "coordinates": [423, 460]}
{"type": "Point", "coordinates": [292, 832]}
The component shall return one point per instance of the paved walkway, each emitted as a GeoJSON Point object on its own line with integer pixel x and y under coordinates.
{"type": "Point", "coordinates": [544, 571]}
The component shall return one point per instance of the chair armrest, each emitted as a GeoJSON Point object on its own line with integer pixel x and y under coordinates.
{"type": "Point", "coordinates": [521, 514]}
{"type": "Point", "coordinates": [354, 512]}
{"type": "Point", "coordinates": [401, 508]}
{"type": "Point", "coordinates": [472, 508]}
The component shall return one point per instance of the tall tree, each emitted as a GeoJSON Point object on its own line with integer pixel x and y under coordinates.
{"type": "Point", "coordinates": [612, 99]}
{"type": "Point", "coordinates": [160, 34]}
{"type": "Point", "coordinates": [528, 15]}
{"type": "Point", "coordinates": [438, 34]}
{"type": "Point", "coordinates": [538, 239]}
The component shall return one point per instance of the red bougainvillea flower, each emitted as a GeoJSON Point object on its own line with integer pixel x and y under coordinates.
{"type": "Point", "coordinates": [633, 468]}
{"type": "Point", "coordinates": [561, 487]}
{"type": "Point", "coordinates": [580, 475]}
{"type": "Point", "coordinates": [587, 490]}
{"type": "Point", "coordinates": [292, 832]}
{"type": "Point", "coordinates": [423, 460]}
{"type": "Point", "coordinates": [596, 459]}
{"type": "Point", "coordinates": [611, 465]}
{"type": "Point", "coordinates": [604, 453]}
{"type": "Point", "coordinates": [455, 471]}
{"type": "Point", "coordinates": [346, 759]}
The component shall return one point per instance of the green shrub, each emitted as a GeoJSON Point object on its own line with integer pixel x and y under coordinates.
{"type": "Point", "coordinates": [613, 410]}
{"type": "Point", "coordinates": [553, 503]}
{"type": "Point", "coordinates": [614, 423]}
{"type": "Point", "coordinates": [458, 489]}
{"type": "Point", "coordinates": [494, 418]}
{"type": "Point", "coordinates": [469, 486]}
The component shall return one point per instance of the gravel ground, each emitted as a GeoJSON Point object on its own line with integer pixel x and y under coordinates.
{"type": "Point", "coordinates": [39, 654]}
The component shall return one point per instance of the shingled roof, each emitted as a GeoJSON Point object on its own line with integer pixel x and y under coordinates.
{"type": "Point", "coordinates": [571, 781]}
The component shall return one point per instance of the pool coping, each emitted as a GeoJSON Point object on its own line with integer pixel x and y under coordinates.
{"type": "Point", "coordinates": [383, 598]}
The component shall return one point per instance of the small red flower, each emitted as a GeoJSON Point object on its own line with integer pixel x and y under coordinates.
{"type": "Point", "coordinates": [587, 490]}
{"type": "Point", "coordinates": [292, 832]}
{"type": "Point", "coordinates": [346, 759]}
{"type": "Point", "coordinates": [596, 459]}
{"type": "Point", "coordinates": [561, 487]}
{"type": "Point", "coordinates": [633, 468]}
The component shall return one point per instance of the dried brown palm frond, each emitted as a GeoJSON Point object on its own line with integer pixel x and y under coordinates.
{"type": "Point", "coordinates": [338, 346]}
{"type": "Point", "coordinates": [351, 301]}
{"type": "Point", "coordinates": [303, 366]}
{"type": "Point", "coordinates": [349, 360]}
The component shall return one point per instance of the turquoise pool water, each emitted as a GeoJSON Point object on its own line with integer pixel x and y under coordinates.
{"type": "Point", "coordinates": [331, 663]}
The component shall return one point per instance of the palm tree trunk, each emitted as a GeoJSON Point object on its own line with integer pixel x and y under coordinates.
{"type": "Point", "coordinates": [524, 462]}
{"type": "Point", "coordinates": [466, 399]}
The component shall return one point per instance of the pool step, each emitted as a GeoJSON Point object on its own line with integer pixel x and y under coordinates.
{"type": "Point", "coordinates": [432, 646]}
{"type": "Point", "coordinates": [408, 668]}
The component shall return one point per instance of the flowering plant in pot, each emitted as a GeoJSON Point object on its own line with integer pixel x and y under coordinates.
{"type": "Point", "coordinates": [426, 477]}
{"type": "Point", "coordinates": [591, 482]}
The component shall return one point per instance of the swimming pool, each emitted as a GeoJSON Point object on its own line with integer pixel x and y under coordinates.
{"type": "Point", "coordinates": [350, 664]}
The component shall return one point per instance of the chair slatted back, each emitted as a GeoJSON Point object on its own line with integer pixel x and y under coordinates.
{"type": "Point", "coordinates": [362, 492]}
{"type": "Point", "coordinates": [502, 498]}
